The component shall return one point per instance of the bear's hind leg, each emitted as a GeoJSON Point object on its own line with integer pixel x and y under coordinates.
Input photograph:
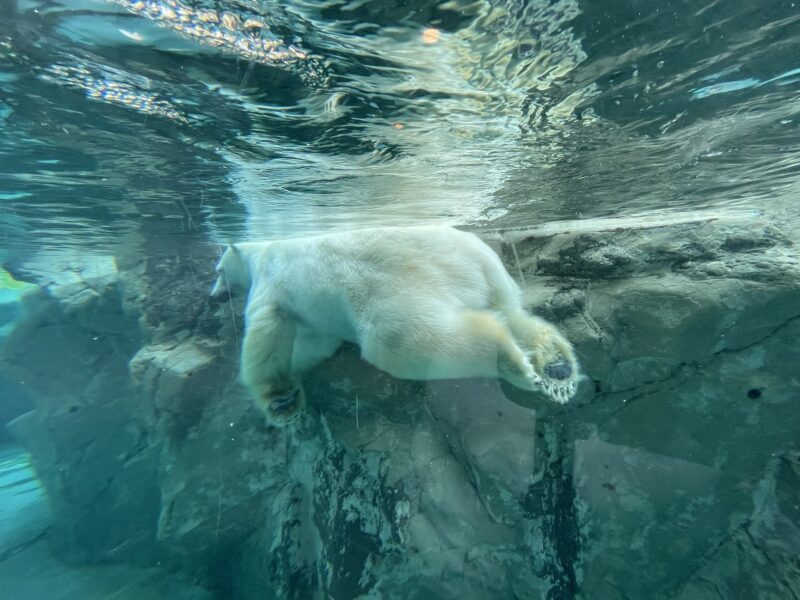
{"type": "Point", "coordinates": [266, 363]}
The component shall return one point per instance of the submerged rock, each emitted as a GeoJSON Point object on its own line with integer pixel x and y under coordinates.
{"type": "Point", "coordinates": [674, 466]}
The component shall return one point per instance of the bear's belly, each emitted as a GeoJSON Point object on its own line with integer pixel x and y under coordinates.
{"type": "Point", "coordinates": [326, 314]}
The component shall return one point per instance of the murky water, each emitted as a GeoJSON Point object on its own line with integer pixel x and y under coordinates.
{"type": "Point", "coordinates": [137, 136]}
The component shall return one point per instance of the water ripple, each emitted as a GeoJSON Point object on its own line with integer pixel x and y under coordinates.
{"type": "Point", "coordinates": [131, 118]}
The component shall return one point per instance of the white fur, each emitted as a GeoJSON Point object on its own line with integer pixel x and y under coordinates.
{"type": "Point", "coordinates": [421, 302]}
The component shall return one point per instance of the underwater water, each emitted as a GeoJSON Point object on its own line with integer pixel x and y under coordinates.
{"type": "Point", "coordinates": [635, 166]}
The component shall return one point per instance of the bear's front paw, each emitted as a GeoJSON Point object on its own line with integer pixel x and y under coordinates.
{"type": "Point", "coordinates": [553, 359]}
{"type": "Point", "coordinates": [557, 378]}
{"type": "Point", "coordinates": [284, 406]}
{"type": "Point", "coordinates": [560, 369]}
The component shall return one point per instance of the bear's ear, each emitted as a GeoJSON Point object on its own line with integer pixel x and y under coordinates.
{"type": "Point", "coordinates": [234, 249]}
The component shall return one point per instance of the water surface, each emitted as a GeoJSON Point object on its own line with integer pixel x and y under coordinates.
{"type": "Point", "coordinates": [260, 119]}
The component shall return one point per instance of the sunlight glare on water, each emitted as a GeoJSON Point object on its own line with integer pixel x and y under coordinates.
{"type": "Point", "coordinates": [265, 120]}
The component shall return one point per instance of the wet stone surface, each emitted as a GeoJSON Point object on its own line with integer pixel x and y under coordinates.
{"type": "Point", "coordinates": [673, 472]}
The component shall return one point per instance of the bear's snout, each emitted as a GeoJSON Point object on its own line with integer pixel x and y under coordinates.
{"type": "Point", "coordinates": [559, 369]}
{"type": "Point", "coordinates": [223, 291]}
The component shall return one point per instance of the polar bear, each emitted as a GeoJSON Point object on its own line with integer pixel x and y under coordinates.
{"type": "Point", "coordinates": [428, 302]}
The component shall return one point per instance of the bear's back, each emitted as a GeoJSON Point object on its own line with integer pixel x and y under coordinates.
{"type": "Point", "coordinates": [334, 282]}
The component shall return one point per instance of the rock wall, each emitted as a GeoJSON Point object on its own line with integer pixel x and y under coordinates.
{"type": "Point", "coordinates": [689, 334]}
{"type": "Point", "coordinates": [676, 465]}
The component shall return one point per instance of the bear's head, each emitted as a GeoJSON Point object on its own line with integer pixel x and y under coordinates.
{"type": "Point", "coordinates": [233, 273]}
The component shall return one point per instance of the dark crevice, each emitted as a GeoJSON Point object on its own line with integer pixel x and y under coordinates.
{"type": "Point", "coordinates": [565, 532]}
{"type": "Point", "coordinates": [560, 525]}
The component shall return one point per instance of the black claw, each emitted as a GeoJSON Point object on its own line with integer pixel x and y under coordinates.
{"type": "Point", "coordinates": [284, 403]}
{"type": "Point", "coordinates": [559, 369]}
